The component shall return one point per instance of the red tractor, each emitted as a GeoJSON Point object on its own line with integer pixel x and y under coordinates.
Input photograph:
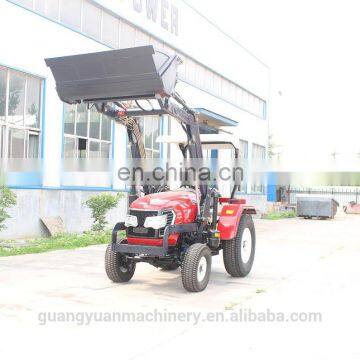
{"type": "Point", "coordinates": [167, 229]}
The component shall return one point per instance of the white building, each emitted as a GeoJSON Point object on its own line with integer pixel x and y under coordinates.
{"type": "Point", "coordinates": [218, 77]}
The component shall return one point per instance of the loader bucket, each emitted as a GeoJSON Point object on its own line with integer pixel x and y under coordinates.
{"type": "Point", "coordinates": [125, 74]}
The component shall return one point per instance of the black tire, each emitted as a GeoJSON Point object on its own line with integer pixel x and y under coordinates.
{"type": "Point", "coordinates": [193, 261]}
{"type": "Point", "coordinates": [233, 251]}
{"type": "Point", "coordinates": [117, 268]}
{"type": "Point", "coordinates": [169, 267]}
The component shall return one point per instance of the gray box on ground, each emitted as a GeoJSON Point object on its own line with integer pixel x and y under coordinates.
{"type": "Point", "coordinates": [316, 206]}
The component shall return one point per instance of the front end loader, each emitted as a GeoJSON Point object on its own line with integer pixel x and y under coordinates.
{"type": "Point", "coordinates": [167, 229]}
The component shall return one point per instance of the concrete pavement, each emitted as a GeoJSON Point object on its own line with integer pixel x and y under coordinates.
{"type": "Point", "coordinates": [301, 266]}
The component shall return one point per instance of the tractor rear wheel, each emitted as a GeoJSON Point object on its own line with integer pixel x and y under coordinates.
{"type": "Point", "coordinates": [117, 267]}
{"type": "Point", "coordinates": [239, 252]}
{"type": "Point", "coordinates": [196, 268]}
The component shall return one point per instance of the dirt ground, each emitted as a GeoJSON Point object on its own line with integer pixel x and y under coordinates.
{"type": "Point", "coordinates": [302, 268]}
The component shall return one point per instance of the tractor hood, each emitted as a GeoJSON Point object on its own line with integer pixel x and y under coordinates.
{"type": "Point", "coordinates": [165, 200]}
{"type": "Point", "coordinates": [182, 202]}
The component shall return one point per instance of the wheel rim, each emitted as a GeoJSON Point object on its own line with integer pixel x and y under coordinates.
{"type": "Point", "coordinates": [201, 270]}
{"type": "Point", "coordinates": [124, 269]}
{"type": "Point", "coordinates": [246, 245]}
{"type": "Point", "coordinates": [124, 266]}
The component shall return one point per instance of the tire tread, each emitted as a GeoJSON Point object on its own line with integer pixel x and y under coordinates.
{"type": "Point", "coordinates": [112, 267]}
{"type": "Point", "coordinates": [189, 266]}
{"type": "Point", "coordinates": [232, 249]}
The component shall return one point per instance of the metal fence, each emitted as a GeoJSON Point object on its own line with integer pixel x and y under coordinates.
{"type": "Point", "coordinates": [342, 194]}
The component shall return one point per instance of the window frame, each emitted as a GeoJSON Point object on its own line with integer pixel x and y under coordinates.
{"type": "Point", "coordinates": [87, 138]}
{"type": "Point", "coordinates": [144, 124]}
{"type": "Point", "coordinates": [98, 35]}
{"type": "Point", "coordinates": [258, 188]}
{"type": "Point", "coordinates": [128, 35]}
{"type": "Point", "coordinates": [6, 126]}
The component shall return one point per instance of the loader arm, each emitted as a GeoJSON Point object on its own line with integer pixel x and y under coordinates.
{"type": "Point", "coordinates": [132, 128]}
{"type": "Point", "coordinates": [109, 79]}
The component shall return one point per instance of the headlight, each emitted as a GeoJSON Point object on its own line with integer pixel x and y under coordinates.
{"type": "Point", "coordinates": [155, 222]}
{"type": "Point", "coordinates": [131, 220]}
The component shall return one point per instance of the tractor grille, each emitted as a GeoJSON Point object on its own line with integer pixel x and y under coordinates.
{"type": "Point", "coordinates": [142, 232]}
{"type": "Point", "coordinates": [169, 220]}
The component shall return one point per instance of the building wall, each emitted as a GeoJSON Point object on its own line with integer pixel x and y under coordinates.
{"type": "Point", "coordinates": [217, 74]}
{"type": "Point", "coordinates": [68, 204]}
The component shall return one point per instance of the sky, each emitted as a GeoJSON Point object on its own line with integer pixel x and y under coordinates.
{"type": "Point", "coordinates": [313, 51]}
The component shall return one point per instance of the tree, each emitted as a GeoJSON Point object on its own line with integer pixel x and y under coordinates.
{"type": "Point", "coordinates": [271, 147]}
{"type": "Point", "coordinates": [7, 200]}
{"type": "Point", "coordinates": [100, 205]}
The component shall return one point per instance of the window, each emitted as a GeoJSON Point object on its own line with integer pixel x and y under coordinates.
{"type": "Point", "coordinates": [69, 119]}
{"type": "Point", "coordinates": [2, 140]}
{"type": "Point", "coordinates": [52, 9]}
{"type": "Point", "coordinates": [20, 111]}
{"type": "Point", "coordinates": [217, 84]}
{"type": "Point", "coordinates": [110, 30]}
{"type": "Point", "coordinates": [127, 36]}
{"type": "Point", "coordinates": [87, 133]}
{"type": "Point", "coordinates": [26, 3]}
{"type": "Point", "coordinates": [70, 13]}
{"type": "Point", "coordinates": [105, 150]}
{"type": "Point", "coordinates": [191, 71]}
{"type": "Point", "coordinates": [91, 23]}
{"type": "Point", "coordinates": [150, 130]}
{"type": "Point", "coordinates": [33, 149]}
{"type": "Point", "coordinates": [40, 6]}
{"type": "Point", "coordinates": [141, 39]}
{"type": "Point", "coordinates": [200, 76]}
{"type": "Point", "coordinates": [100, 24]}
{"type": "Point", "coordinates": [81, 120]}
{"type": "Point", "coordinates": [82, 148]}
{"type": "Point", "coordinates": [16, 98]}
{"type": "Point", "coordinates": [243, 149]}
{"type": "Point", "coordinates": [3, 85]}
{"type": "Point", "coordinates": [232, 92]}
{"type": "Point", "coordinates": [209, 82]}
{"type": "Point", "coordinates": [48, 8]}
{"type": "Point", "coordinates": [16, 143]}
{"type": "Point", "coordinates": [181, 68]}
{"type": "Point", "coordinates": [225, 88]}
{"type": "Point", "coordinates": [69, 147]}
{"type": "Point", "coordinates": [32, 110]}
{"type": "Point", "coordinates": [94, 131]}
{"type": "Point", "coordinates": [240, 97]}
{"type": "Point", "coordinates": [258, 152]}
{"type": "Point", "coordinates": [105, 128]}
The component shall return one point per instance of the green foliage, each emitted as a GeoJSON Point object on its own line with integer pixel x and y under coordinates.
{"type": "Point", "coordinates": [100, 205]}
{"type": "Point", "coordinates": [7, 200]}
{"type": "Point", "coordinates": [260, 291]}
{"type": "Point", "coordinates": [280, 215]}
{"type": "Point", "coordinates": [58, 242]}
{"type": "Point", "coordinates": [271, 147]}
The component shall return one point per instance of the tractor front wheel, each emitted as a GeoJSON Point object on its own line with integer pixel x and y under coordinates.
{"type": "Point", "coordinates": [117, 267]}
{"type": "Point", "coordinates": [196, 268]}
{"type": "Point", "coordinates": [239, 252]}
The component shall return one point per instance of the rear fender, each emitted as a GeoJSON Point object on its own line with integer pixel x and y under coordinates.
{"type": "Point", "coordinates": [230, 217]}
